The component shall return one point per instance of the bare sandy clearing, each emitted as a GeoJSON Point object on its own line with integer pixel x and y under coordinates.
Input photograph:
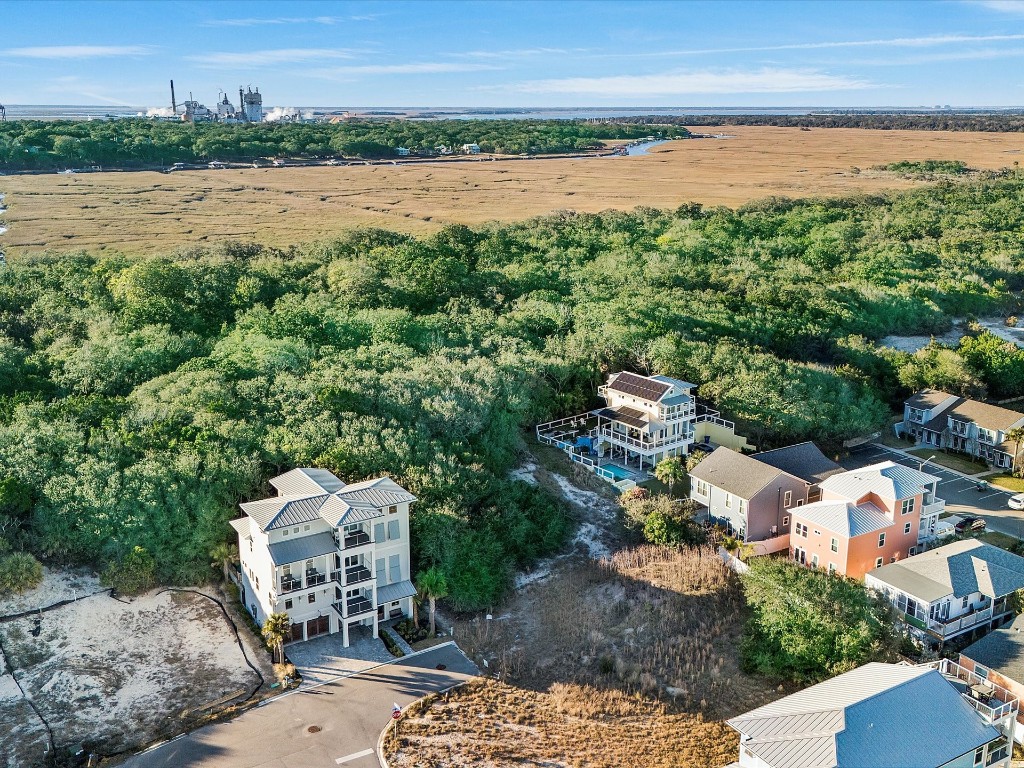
{"type": "Point", "coordinates": [144, 212]}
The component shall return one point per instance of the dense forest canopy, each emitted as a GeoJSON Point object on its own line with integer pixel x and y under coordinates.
{"type": "Point", "coordinates": [141, 398]}
{"type": "Point", "coordinates": [126, 143]}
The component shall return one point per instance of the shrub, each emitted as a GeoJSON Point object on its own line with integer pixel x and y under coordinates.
{"type": "Point", "coordinates": [132, 574]}
{"type": "Point", "coordinates": [390, 644]}
{"type": "Point", "coordinates": [19, 572]}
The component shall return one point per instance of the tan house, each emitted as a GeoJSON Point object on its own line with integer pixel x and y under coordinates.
{"type": "Point", "coordinates": [998, 658]}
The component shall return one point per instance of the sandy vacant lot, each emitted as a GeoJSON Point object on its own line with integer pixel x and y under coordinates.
{"type": "Point", "coordinates": [110, 675]}
{"type": "Point", "coordinates": [142, 212]}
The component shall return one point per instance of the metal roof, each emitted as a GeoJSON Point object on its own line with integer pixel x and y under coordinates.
{"type": "Point", "coordinates": [639, 386]}
{"type": "Point", "coordinates": [735, 473]}
{"type": "Point", "coordinates": [1001, 650]}
{"type": "Point", "coordinates": [959, 569]}
{"type": "Point", "coordinates": [302, 548]}
{"type": "Point", "coordinates": [844, 517]}
{"type": "Point", "coordinates": [675, 382]}
{"type": "Point", "coordinates": [304, 481]}
{"type": "Point", "coordinates": [803, 460]}
{"type": "Point", "coordinates": [391, 592]}
{"type": "Point", "coordinates": [886, 479]}
{"type": "Point", "coordinates": [878, 715]}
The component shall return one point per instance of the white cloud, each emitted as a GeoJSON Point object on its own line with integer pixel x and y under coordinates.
{"type": "Point", "coordinates": [695, 82]}
{"type": "Point", "coordinates": [270, 57]}
{"type": "Point", "coordinates": [78, 51]}
{"type": "Point", "coordinates": [516, 53]}
{"type": "Point", "coordinates": [415, 68]}
{"type": "Point", "coordinates": [280, 20]}
{"type": "Point", "coordinates": [1006, 6]}
{"type": "Point", "coordinates": [895, 42]}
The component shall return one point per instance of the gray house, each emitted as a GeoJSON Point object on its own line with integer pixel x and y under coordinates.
{"type": "Point", "coordinates": [751, 498]}
{"type": "Point", "coordinates": [803, 460]}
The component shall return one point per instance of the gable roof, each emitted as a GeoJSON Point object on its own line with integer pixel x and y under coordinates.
{"type": "Point", "coordinates": [927, 399]}
{"type": "Point", "coordinates": [326, 498]}
{"type": "Point", "coordinates": [958, 569]}
{"type": "Point", "coordinates": [1001, 650]}
{"type": "Point", "coordinates": [735, 473]}
{"type": "Point", "coordinates": [844, 517]}
{"type": "Point", "coordinates": [983, 414]}
{"type": "Point", "coordinates": [803, 460]}
{"type": "Point", "coordinates": [886, 479]}
{"type": "Point", "coordinates": [879, 715]}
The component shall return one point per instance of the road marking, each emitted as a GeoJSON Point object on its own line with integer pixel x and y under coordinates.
{"type": "Point", "coordinates": [354, 756]}
{"type": "Point", "coordinates": [997, 493]}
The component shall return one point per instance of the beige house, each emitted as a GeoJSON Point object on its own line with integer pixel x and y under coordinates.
{"type": "Point", "coordinates": [333, 556]}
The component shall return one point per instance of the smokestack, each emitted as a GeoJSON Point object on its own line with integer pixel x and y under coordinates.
{"type": "Point", "coordinates": [174, 104]}
{"type": "Point", "coordinates": [241, 104]}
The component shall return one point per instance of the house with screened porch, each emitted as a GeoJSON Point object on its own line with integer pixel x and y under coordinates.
{"type": "Point", "coordinates": [332, 556]}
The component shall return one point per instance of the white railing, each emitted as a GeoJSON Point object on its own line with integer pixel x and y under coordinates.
{"type": "Point", "coordinates": [1002, 705]}
{"type": "Point", "coordinates": [935, 508]}
{"type": "Point", "coordinates": [645, 445]}
{"type": "Point", "coordinates": [714, 418]}
{"type": "Point", "coordinates": [953, 626]}
{"type": "Point", "coordinates": [577, 420]}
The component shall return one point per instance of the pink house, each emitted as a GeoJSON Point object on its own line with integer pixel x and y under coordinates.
{"type": "Point", "coordinates": [866, 518]}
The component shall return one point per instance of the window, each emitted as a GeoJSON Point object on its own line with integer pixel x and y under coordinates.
{"type": "Point", "coordinates": [787, 499]}
{"type": "Point", "coordinates": [799, 502]}
{"type": "Point", "coordinates": [743, 506]}
{"type": "Point", "coordinates": [835, 544]}
{"type": "Point", "coordinates": [979, 755]}
{"type": "Point", "coordinates": [284, 532]}
{"type": "Point", "coordinates": [817, 533]}
{"type": "Point", "coordinates": [980, 671]}
{"type": "Point", "coordinates": [392, 510]}
{"type": "Point", "coordinates": [785, 521]}
{"type": "Point", "coordinates": [911, 552]}
{"type": "Point", "coordinates": [378, 532]}
{"type": "Point", "coordinates": [906, 506]}
{"type": "Point", "coordinates": [312, 597]}
{"type": "Point", "coordinates": [702, 488]}
{"type": "Point", "coordinates": [305, 527]}
{"type": "Point", "coordinates": [728, 499]}
{"type": "Point", "coordinates": [286, 571]}
{"type": "Point", "coordinates": [881, 539]}
{"type": "Point", "coordinates": [831, 567]}
{"type": "Point", "coordinates": [906, 528]}
{"type": "Point", "coordinates": [878, 563]}
{"type": "Point", "coordinates": [393, 532]}
{"type": "Point", "coordinates": [801, 530]}
{"type": "Point", "coordinates": [309, 565]}
{"type": "Point", "coordinates": [395, 569]}
{"type": "Point", "coordinates": [287, 605]}
{"type": "Point", "coordinates": [381, 574]}
{"type": "Point", "coordinates": [295, 529]}
{"type": "Point", "coordinates": [814, 561]}
{"type": "Point", "coordinates": [966, 599]}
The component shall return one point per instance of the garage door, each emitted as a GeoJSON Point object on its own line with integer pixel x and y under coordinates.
{"type": "Point", "coordinates": [316, 627]}
{"type": "Point", "coordinates": [296, 632]}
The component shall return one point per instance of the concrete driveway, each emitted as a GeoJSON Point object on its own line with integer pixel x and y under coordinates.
{"type": "Point", "coordinates": [960, 491]}
{"type": "Point", "coordinates": [349, 712]}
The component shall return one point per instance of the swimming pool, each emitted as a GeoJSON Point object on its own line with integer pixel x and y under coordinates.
{"type": "Point", "coordinates": [619, 473]}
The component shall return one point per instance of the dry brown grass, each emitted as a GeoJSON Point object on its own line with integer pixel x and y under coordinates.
{"type": "Point", "coordinates": [142, 212]}
{"type": "Point", "coordinates": [619, 663]}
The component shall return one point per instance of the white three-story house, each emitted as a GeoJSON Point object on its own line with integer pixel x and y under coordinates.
{"type": "Point", "coordinates": [331, 556]}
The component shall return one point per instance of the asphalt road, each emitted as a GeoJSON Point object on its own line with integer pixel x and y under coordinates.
{"type": "Point", "coordinates": [350, 712]}
{"type": "Point", "coordinates": [961, 493]}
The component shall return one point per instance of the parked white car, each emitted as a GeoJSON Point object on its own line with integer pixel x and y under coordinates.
{"type": "Point", "coordinates": [1016, 502]}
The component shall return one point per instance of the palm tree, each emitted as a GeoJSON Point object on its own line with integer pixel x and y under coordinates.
{"type": "Point", "coordinates": [434, 585]}
{"type": "Point", "coordinates": [224, 556]}
{"type": "Point", "coordinates": [275, 630]}
{"type": "Point", "coordinates": [670, 471]}
{"type": "Point", "coordinates": [1016, 436]}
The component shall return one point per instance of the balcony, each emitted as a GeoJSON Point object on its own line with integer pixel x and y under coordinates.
{"type": "Point", "coordinates": [353, 606]}
{"type": "Point", "coordinates": [357, 539]}
{"type": "Point", "coordinates": [315, 578]}
{"type": "Point", "coordinates": [644, 445]}
{"type": "Point", "coordinates": [992, 702]}
{"type": "Point", "coordinates": [357, 574]}
{"type": "Point", "coordinates": [290, 585]}
{"type": "Point", "coordinates": [960, 623]}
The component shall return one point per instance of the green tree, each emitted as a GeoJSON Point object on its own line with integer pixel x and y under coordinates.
{"type": "Point", "coordinates": [19, 571]}
{"type": "Point", "coordinates": [132, 574]}
{"type": "Point", "coordinates": [224, 556]}
{"type": "Point", "coordinates": [275, 630]}
{"type": "Point", "coordinates": [434, 586]}
{"type": "Point", "coordinates": [693, 459]}
{"type": "Point", "coordinates": [1016, 436]}
{"type": "Point", "coordinates": [670, 471]}
{"type": "Point", "coordinates": [807, 625]}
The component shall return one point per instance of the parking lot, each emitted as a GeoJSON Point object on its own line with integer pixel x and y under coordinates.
{"type": "Point", "coordinates": [960, 492]}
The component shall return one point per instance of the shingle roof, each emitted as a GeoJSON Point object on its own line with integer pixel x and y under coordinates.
{"type": "Point", "coordinates": [928, 398]}
{"type": "Point", "coordinates": [344, 504]}
{"type": "Point", "coordinates": [844, 517]}
{"type": "Point", "coordinates": [984, 415]}
{"type": "Point", "coordinates": [1001, 650]}
{"type": "Point", "coordinates": [735, 473]}
{"type": "Point", "coordinates": [958, 569]}
{"type": "Point", "coordinates": [803, 460]}
{"type": "Point", "coordinates": [302, 548]}
{"type": "Point", "coordinates": [878, 715]}
{"type": "Point", "coordinates": [885, 479]}
{"type": "Point", "coordinates": [639, 386]}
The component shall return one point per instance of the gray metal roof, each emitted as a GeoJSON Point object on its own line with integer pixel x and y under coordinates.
{"type": "Point", "coordinates": [391, 592]}
{"type": "Point", "coordinates": [1001, 650]}
{"type": "Point", "coordinates": [735, 473]}
{"type": "Point", "coordinates": [345, 504]}
{"type": "Point", "coordinates": [886, 479]}
{"type": "Point", "coordinates": [302, 548]}
{"type": "Point", "coordinates": [958, 569]}
{"type": "Point", "coordinates": [678, 399]}
{"type": "Point", "coordinates": [304, 481]}
{"type": "Point", "coordinates": [675, 382]}
{"type": "Point", "coordinates": [803, 460]}
{"type": "Point", "coordinates": [844, 517]}
{"type": "Point", "coordinates": [878, 715]}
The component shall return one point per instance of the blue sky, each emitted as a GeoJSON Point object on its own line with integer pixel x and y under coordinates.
{"type": "Point", "coordinates": [960, 52]}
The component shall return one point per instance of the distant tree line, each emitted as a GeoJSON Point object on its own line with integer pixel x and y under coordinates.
{"type": "Point", "coordinates": [995, 122]}
{"type": "Point", "coordinates": [126, 143]}
{"type": "Point", "coordinates": [143, 396]}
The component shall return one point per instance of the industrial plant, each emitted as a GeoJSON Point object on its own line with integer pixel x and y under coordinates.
{"type": "Point", "coordinates": [249, 109]}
